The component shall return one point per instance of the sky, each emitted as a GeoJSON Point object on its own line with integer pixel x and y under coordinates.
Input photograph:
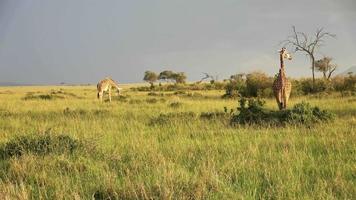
{"type": "Point", "coordinates": [83, 41]}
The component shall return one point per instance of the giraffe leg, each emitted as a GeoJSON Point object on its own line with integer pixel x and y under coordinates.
{"type": "Point", "coordinates": [100, 95]}
{"type": "Point", "coordinates": [285, 101]}
{"type": "Point", "coordinates": [280, 101]}
{"type": "Point", "coordinates": [110, 95]}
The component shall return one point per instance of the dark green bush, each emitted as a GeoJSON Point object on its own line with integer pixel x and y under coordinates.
{"type": "Point", "coordinates": [251, 111]}
{"type": "Point", "coordinates": [38, 145]}
{"type": "Point", "coordinates": [304, 113]}
{"type": "Point", "coordinates": [321, 85]}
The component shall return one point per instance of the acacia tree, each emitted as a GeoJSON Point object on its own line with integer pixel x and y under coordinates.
{"type": "Point", "coordinates": [150, 77]}
{"type": "Point", "coordinates": [303, 43]}
{"type": "Point", "coordinates": [179, 77]}
{"type": "Point", "coordinates": [166, 75]}
{"type": "Point", "coordinates": [325, 66]}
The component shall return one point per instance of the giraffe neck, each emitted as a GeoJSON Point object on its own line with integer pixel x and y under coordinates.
{"type": "Point", "coordinates": [282, 75]}
{"type": "Point", "coordinates": [113, 83]}
{"type": "Point", "coordinates": [282, 61]}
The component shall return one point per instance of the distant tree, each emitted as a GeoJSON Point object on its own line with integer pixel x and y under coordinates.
{"type": "Point", "coordinates": [166, 75]}
{"type": "Point", "coordinates": [150, 77]}
{"type": "Point", "coordinates": [238, 77]}
{"type": "Point", "coordinates": [179, 77]}
{"type": "Point", "coordinates": [325, 66]}
{"type": "Point", "coordinates": [302, 42]}
{"type": "Point", "coordinates": [257, 82]}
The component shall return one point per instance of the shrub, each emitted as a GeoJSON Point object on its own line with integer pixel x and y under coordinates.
{"type": "Point", "coordinates": [39, 145]}
{"type": "Point", "coordinates": [321, 85]}
{"type": "Point", "coordinates": [297, 89]}
{"type": "Point", "coordinates": [234, 89]}
{"type": "Point", "coordinates": [251, 111]}
{"type": "Point", "coordinates": [255, 82]}
{"type": "Point", "coordinates": [304, 113]}
{"type": "Point", "coordinates": [341, 83]}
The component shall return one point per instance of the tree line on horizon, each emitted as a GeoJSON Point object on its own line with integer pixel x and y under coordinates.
{"type": "Point", "coordinates": [258, 83]}
{"type": "Point", "coordinates": [300, 41]}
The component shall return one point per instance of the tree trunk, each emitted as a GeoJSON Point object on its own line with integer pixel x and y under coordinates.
{"type": "Point", "coordinates": [313, 68]}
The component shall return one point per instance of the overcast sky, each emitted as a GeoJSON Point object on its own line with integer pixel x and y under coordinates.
{"type": "Point", "coordinates": [82, 41]}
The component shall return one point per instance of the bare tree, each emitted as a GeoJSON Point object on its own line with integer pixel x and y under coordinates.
{"type": "Point", "coordinates": [208, 76]}
{"type": "Point", "coordinates": [325, 66]}
{"type": "Point", "coordinates": [306, 44]}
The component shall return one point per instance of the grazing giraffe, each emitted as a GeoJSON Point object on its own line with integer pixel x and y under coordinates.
{"type": "Point", "coordinates": [106, 85]}
{"type": "Point", "coordinates": [281, 85]}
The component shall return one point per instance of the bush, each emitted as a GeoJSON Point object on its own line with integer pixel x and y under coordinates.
{"type": "Point", "coordinates": [251, 111]}
{"type": "Point", "coordinates": [321, 85]}
{"type": "Point", "coordinates": [255, 82]}
{"type": "Point", "coordinates": [342, 84]}
{"type": "Point", "coordinates": [304, 113]}
{"type": "Point", "coordinates": [39, 145]}
{"type": "Point", "coordinates": [234, 89]}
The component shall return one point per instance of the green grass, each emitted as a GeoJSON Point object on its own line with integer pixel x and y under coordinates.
{"type": "Point", "coordinates": [124, 155]}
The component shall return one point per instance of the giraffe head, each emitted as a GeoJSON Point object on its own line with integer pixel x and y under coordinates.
{"type": "Point", "coordinates": [284, 53]}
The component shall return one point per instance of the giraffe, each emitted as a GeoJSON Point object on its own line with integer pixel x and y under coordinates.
{"type": "Point", "coordinates": [106, 85]}
{"type": "Point", "coordinates": [281, 85]}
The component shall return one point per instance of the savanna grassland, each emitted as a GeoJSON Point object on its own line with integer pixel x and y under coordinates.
{"type": "Point", "coordinates": [62, 143]}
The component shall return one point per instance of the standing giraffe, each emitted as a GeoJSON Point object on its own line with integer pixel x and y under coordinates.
{"type": "Point", "coordinates": [106, 85]}
{"type": "Point", "coordinates": [281, 85]}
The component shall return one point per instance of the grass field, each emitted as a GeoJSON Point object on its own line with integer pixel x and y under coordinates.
{"type": "Point", "coordinates": [125, 152]}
